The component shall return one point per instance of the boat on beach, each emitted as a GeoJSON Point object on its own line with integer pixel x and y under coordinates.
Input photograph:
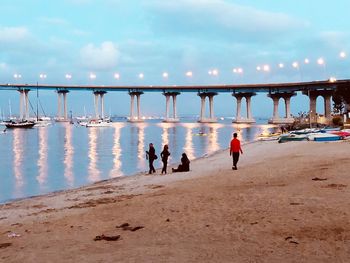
{"type": "Point", "coordinates": [292, 137]}
{"type": "Point", "coordinates": [323, 137]}
{"type": "Point", "coordinates": [269, 136]}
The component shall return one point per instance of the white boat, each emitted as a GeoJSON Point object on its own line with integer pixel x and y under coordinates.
{"type": "Point", "coordinates": [98, 123]}
{"type": "Point", "coordinates": [323, 137]}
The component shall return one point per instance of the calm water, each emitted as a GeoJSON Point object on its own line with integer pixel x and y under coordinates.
{"type": "Point", "coordinates": [61, 156]}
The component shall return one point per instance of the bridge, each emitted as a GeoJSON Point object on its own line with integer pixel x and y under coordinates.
{"type": "Point", "coordinates": [275, 91]}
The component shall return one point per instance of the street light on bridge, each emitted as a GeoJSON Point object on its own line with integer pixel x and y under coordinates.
{"type": "Point", "coordinates": [342, 54]}
{"type": "Point", "coordinates": [189, 74]}
{"type": "Point", "coordinates": [68, 76]}
{"type": "Point", "coordinates": [165, 75]}
{"type": "Point", "coordinates": [116, 76]}
{"type": "Point", "coordinates": [322, 63]}
{"type": "Point", "coordinates": [92, 76]}
{"type": "Point", "coordinates": [17, 76]}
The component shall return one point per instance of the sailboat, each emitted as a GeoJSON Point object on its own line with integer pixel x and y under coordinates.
{"type": "Point", "coordinates": [40, 121]}
{"type": "Point", "coordinates": [13, 123]}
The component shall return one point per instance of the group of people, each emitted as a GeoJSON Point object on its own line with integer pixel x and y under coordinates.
{"type": "Point", "coordinates": [235, 151]}
{"type": "Point", "coordinates": [151, 156]}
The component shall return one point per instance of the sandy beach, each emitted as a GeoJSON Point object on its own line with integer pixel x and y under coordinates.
{"type": "Point", "coordinates": [285, 203]}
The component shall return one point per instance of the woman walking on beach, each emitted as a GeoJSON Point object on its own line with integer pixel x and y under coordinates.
{"type": "Point", "coordinates": [151, 156]}
{"type": "Point", "coordinates": [235, 149]}
{"type": "Point", "coordinates": [164, 155]}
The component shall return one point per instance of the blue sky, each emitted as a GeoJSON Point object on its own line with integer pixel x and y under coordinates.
{"type": "Point", "coordinates": [154, 36]}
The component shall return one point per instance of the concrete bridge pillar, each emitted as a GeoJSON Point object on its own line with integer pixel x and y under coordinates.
{"type": "Point", "coordinates": [202, 117]}
{"type": "Point", "coordinates": [327, 106]}
{"type": "Point", "coordinates": [313, 99]}
{"type": "Point", "coordinates": [169, 95]}
{"type": "Point", "coordinates": [23, 104]}
{"type": "Point", "coordinates": [174, 107]}
{"type": "Point", "coordinates": [276, 119]}
{"type": "Point", "coordinates": [138, 107]}
{"type": "Point", "coordinates": [239, 108]}
{"type": "Point", "coordinates": [327, 96]}
{"type": "Point", "coordinates": [26, 104]}
{"type": "Point", "coordinates": [62, 94]}
{"type": "Point", "coordinates": [99, 104]}
{"type": "Point", "coordinates": [132, 98]}
{"type": "Point", "coordinates": [211, 106]}
{"type": "Point", "coordinates": [248, 97]}
{"type": "Point", "coordinates": [275, 108]}
{"type": "Point", "coordinates": [65, 113]}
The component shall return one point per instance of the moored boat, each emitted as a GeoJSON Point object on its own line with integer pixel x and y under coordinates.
{"type": "Point", "coordinates": [98, 123]}
{"type": "Point", "coordinates": [20, 124]}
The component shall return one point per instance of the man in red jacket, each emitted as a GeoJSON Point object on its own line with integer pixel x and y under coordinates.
{"type": "Point", "coordinates": [235, 149]}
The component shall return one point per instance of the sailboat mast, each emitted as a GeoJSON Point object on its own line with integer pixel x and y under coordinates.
{"type": "Point", "coordinates": [37, 99]}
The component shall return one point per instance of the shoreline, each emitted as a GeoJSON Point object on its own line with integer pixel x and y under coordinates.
{"type": "Point", "coordinates": [124, 177]}
{"type": "Point", "coordinates": [210, 214]}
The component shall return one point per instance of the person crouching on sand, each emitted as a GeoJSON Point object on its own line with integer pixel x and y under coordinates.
{"type": "Point", "coordinates": [164, 155]}
{"type": "Point", "coordinates": [151, 156]}
{"type": "Point", "coordinates": [184, 166]}
{"type": "Point", "coordinates": [235, 149]}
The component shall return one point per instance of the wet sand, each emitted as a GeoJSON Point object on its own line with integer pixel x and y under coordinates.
{"type": "Point", "coordinates": [286, 203]}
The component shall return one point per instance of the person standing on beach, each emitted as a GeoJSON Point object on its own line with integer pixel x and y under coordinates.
{"type": "Point", "coordinates": [164, 155]}
{"type": "Point", "coordinates": [235, 149]}
{"type": "Point", "coordinates": [151, 156]}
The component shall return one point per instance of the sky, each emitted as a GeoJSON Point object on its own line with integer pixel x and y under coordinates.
{"type": "Point", "coordinates": [105, 37]}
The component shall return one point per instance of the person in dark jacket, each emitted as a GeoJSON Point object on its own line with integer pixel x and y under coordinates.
{"type": "Point", "coordinates": [164, 155]}
{"type": "Point", "coordinates": [151, 156]}
{"type": "Point", "coordinates": [185, 164]}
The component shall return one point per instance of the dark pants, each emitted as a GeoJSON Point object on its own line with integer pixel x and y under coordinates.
{"type": "Point", "coordinates": [165, 163]}
{"type": "Point", "coordinates": [235, 158]}
{"type": "Point", "coordinates": [151, 167]}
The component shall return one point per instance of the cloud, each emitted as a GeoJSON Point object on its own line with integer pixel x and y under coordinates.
{"type": "Point", "coordinates": [104, 57]}
{"type": "Point", "coordinates": [219, 18]}
{"type": "Point", "coordinates": [9, 35]}
{"type": "Point", "coordinates": [53, 21]}
{"type": "Point", "coordinates": [79, 2]}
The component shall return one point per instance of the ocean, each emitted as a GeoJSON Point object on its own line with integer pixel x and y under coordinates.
{"type": "Point", "coordinates": [63, 156]}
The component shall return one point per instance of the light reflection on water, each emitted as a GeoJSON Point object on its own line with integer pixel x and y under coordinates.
{"type": "Point", "coordinates": [42, 160]}
{"type": "Point", "coordinates": [64, 156]}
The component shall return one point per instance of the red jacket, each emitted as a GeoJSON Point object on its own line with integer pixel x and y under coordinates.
{"type": "Point", "coordinates": [235, 146]}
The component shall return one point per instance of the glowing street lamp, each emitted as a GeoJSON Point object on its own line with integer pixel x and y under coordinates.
{"type": "Point", "coordinates": [189, 74]}
{"type": "Point", "coordinates": [342, 54]}
{"type": "Point", "coordinates": [215, 72]}
{"type": "Point", "coordinates": [92, 76]}
{"type": "Point", "coordinates": [306, 61]}
{"type": "Point", "coordinates": [116, 75]}
{"type": "Point", "coordinates": [165, 75]}
{"type": "Point", "coordinates": [281, 65]}
{"type": "Point", "coordinates": [295, 65]}
{"type": "Point", "coordinates": [258, 68]}
{"type": "Point", "coordinates": [321, 61]}
{"type": "Point", "coordinates": [332, 79]}
{"type": "Point", "coordinates": [266, 68]}
{"type": "Point", "coordinates": [42, 76]}
{"type": "Point", "coordinates": [141, 76]}
{"type": "Point", "coordinates": [68, 76]}
{"type": "Point", "coordinates": [17, 76]}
